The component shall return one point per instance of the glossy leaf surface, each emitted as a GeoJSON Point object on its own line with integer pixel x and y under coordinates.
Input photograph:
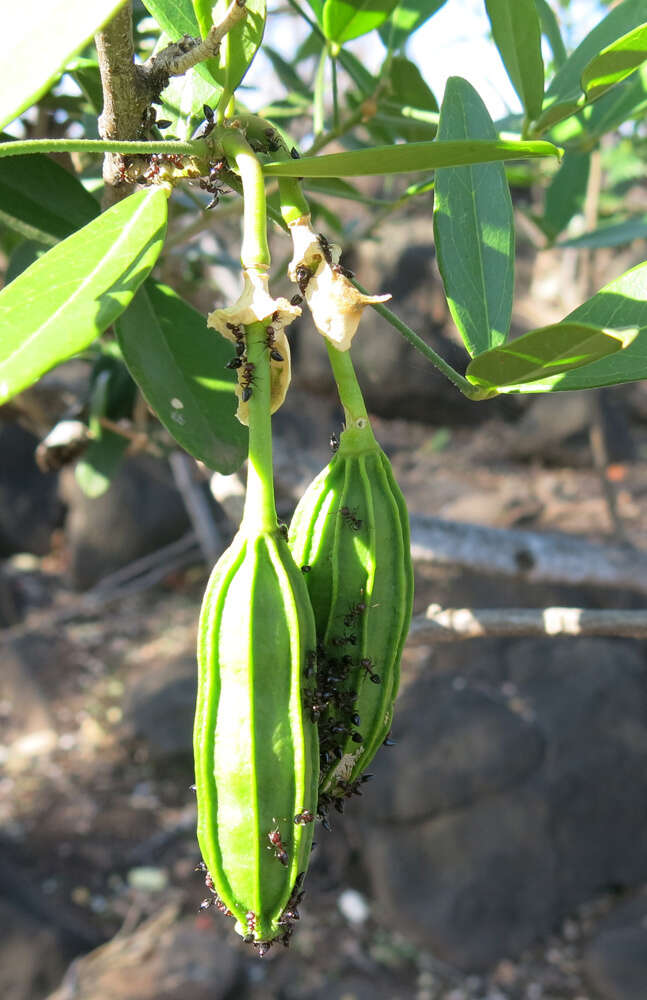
{"type": "Point", "coordinates": [70, 295]}
{"type": "Point", "coordinates": [614, 63]}
{"type": "Point", "coordinates": [474, 227]}
{"type": "Point", "coordinates": [407, 158]}
{"type": "Point", "coordinates": [620, 304]}
{"type": "Point", "coordinates": [343, 20]}
{"type": "Point", "coordinates": [179, 364]}
{"type": "Point", "coordinates": [517, 34]}
{"type": "Point", "coordinates": [550, 349]}
{"type": "Point", "coordinates": [37, 40]}
{"type": "Point", "coordinates": [407, 17]}
{"type": "Point", "coordinates": [27, 205]}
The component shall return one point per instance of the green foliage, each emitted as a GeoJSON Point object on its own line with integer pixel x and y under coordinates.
{"type": "Point", "coordinates": [69, 296]}
{"type": "Point", "coordinates": [473, 227]}
{"type": "Point", "coordinates": [516, 30]}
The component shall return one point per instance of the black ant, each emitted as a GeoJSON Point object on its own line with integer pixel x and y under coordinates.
{"type": "Point", "coordinates": [305, 568]}
{"type": "Point", "coordinates": [270, 342]}
{"type": "Point", "coordinates": [235, 363]}
{"type": "Point", "coordinates": [350, 518]}
{"type": "Point", "coordinates": [325, 248]}
{"type": "Point", "coordinates": [207, 125]}
{"type": "Point", "coordinates": [334, 442]}
{"type": "Point", "coordinates": [354, 613]}
{"type": "Point", "coordinates": [303, 275]}
{"type": "Point", "coordinates": [340, 269]}
{"type": "Point", "coordinates": [367, 666]}
{"type": "Point", "coordinates": [294, 153]}
{"type": "Point", "coordinates": [247, 381]}
{"type": "Point", "coordinates": [388, 742]}
{"type": "Point", "coordinates": [304, 817]}
{"type": "Point", "coordinates": [296, 300]}
{"type": "Point", "coordinates": [274, 837]}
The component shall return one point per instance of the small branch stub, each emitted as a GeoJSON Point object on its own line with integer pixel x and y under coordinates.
{"type": "Point", "coordinates": [452, 624]}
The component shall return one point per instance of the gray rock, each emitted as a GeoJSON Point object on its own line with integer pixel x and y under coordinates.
{"type": "Point", "coordinates": [31, 961]}
{"type": "Point", "coordinates": [469, 885]}
{"type": "Point", "coordinates": [141, 512]}
{"type": "Point", "coordinates": [458, 746]}
{"type": "Point", "coordinates": [615, 961]}
{"type": "Point", "coordinates": [508, 800]}
{"type": "Point", "coordinates": [29, 508]}
{"type": "Point", "coordinates": [159, 709]}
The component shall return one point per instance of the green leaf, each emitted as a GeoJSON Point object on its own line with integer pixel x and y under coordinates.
{"type": "Point", "coordinates": [22, 257]}
{"type": "Point", "coordinates": [177, 18]}
{"type": "Point", "coordinates": [239, 45]}
{"type": "Point", "coordinates": [620, 304]}
{"type": "Point", "coordinates": [614, 63]}
{"type": "Point", "coordinates": [410, 157]}
{"type": "Point", "coordinates": [516, 30]}
{"type": "Point", "coordinates": [65, 299]}
{"type": "Point", "coordinates": [37, 40]}
{"type": "Point", "coordinates": [626, 101]}
{"type": "Point", "coordinates": [550, 28]}
{"type": "Point", "coordinates": [183, 101]}
{"type": "Point", "coordinates": [624, 17]}
{"type": "Point", "coordinates": [610, 234]}
{"type": "Point", "coordinates": [179, 364]}
{"type": "Point", "coordinates": [559, 347]}
{"type": "Point", "coordinates": [406, 18]}
{"type": "Point", "coordinates": [96, 468]}
{"type": "Point", "coordinates": [566, 191]}
{"type": "Point", "coordinates": [287, 74]}
{"type": "Point", "coordinates": [317, 7]}
{"type": "Point", "coordinates": [85, 72]}
{"type": "Point", "coordinates": [474, 227]}
{"type": "Point", "coordinates": [203, 15]}
{"type": "Point", "coordinates": [346, 19]}
{"type": "Point", "coordinates": [28, 207]}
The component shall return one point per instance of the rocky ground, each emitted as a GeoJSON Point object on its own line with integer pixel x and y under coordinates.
{"type": "Point", "coordinates": [498, 855]}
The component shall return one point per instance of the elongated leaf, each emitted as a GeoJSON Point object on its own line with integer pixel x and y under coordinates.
{"type": "Point", "coordinates": [614, 63]}
{"type": "Point", "coordinates": [565, 87]}
{"type": "Point", "coordinates": [610, 234]}
{"type": "Point", "coordinates": [550, 28]}
{"type": "Point", "coordinates": [474, 227]}
{"type": "Point", "coordinates": [410, 157]}
{"type": "Point", "coordinates": [407, 17]}
{"type": "Point", "coordinates": [202, 11]}
{"type": "Point", "coordinates": [287, 74]}
{"type": "Point", "coordinates": [37, 40]}
{"type": "Point", "coordinates": [28, 206]}
{"type": "Point", "coordinates": [346, 19]}
{"type": "Point", "coordinates": [516, 30]}
{"type": "Point", "coordinates": [626, 101]}
{"type": "Point", "coordinates": [620, 304]}
{"type": "Point", "coordinates": [566, 191]}
{"type": "Point", "coordinates": [65, 299]}
{"type": "Point", "coordinates": [179, 364]}
{"type": "Point", "coordinates": [559, 347]}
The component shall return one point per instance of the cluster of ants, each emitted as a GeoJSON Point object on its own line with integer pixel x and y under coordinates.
{"type": "Point", "coordinates": [240, 362]}
{"type": "Point", "coordinates": [303, 274]}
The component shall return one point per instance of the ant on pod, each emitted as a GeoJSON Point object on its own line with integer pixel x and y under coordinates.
{"type": "Point", "coordinates": [207, 126]}
{"type": "Point", "coordinates": [270, 343]}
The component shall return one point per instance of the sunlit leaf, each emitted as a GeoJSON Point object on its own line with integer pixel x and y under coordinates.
{"type": "Point", "coordinates": [71, 294]}
{"type": "Point", "coordinates": [552, 349]}
{"type": "Point", "coordinates": [37, 40]}
{"type": "Point", "coordinates": [517, 34]}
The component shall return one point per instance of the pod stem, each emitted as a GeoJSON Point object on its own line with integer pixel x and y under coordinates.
{"type": "Point", "coordinates": [260, 511]}
{"type": "Point", "coordinates": [358, 429]}
{"type": "Point", "coordinates": [254, 251]}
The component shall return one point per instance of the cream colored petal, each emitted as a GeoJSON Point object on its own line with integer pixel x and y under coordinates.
{"type": "Point", "coordinates": [254, 306]}
{"type": "Point", "coordinates": [280, 375]}
{"type": "Point", "coordinates": [337, 306]}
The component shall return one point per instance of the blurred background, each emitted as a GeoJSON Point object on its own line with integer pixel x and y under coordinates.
{"type": "Point", "coordinates": [499, 853]}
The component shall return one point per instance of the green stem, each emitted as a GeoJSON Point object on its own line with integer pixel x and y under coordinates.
{"type": "Point", "coordinates": [471, 391]}
{"type": "Point", "coordinates": [254, 251]}
{"type": "Point", "coordinates": [260, 511]}
{"type": "Point", "coordinates": [335, 95]}
{"type": "Point", "coordinates": [24, 146]}
{"type": "Point", "coordinates": [358, 434]}
{"type": "Point", "coordinates": [319, 113]}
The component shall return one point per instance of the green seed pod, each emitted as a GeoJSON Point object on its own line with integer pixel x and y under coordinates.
{"type": "Point", "coordinates": [256, 751]}
{"type": "Point", "coordinates": [350, 533]}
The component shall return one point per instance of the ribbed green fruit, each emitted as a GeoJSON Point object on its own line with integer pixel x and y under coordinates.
{"type": "Point", "coordinates": [256, 750]}
{"type": "Point", "coordinates": [350, 535]}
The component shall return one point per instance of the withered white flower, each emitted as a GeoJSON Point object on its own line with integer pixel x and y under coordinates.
{"type": "Point", "coordinates": [336, 305]}
{"type": "Point", "coordinates": [256, 305]}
